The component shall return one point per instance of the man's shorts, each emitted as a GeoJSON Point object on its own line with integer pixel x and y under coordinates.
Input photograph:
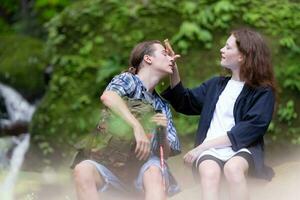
{"type": "Point", "coordinates": [113, 183]}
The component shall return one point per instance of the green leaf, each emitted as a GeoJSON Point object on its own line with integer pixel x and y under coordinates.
{"type": "Point", "coordinates": [87, 48]}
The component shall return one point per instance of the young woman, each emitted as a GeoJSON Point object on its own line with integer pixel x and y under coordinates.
{"type": "Point", "coordinates": [149, 63]}
{"type": "Point", "coordinates": [235, 114]}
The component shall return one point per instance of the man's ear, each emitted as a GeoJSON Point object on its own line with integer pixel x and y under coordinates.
{"type": "Point", "coordinates": [148, 59]}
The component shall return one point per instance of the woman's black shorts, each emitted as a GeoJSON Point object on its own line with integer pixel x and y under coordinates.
{"type": "Point", "coordinates": [247, 156]}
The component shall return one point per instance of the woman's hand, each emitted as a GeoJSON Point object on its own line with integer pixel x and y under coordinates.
{"type": "Point", "coordinates": [170, 50]}
{"type": "Point", "coordinates": [192, 155]}
{"type": "Point", "coordinates": [174, 77]}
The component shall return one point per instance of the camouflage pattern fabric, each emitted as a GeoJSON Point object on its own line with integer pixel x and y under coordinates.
{"type": "Point", "coordinates": [113, 144]}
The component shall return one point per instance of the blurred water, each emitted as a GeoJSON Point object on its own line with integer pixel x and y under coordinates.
{"type": "Point", "coordinates": [13, 149]}
{"type": "Point", "coordinates": [18, 109]}
{"type": "Point", "coordinates": [7, 187]}
{"type": "Point", "coordinates": [6, 143]}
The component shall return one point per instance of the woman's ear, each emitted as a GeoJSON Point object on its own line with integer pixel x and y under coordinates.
{"type": "Point", "coordinates": [148, 59]}
{"type": "Point", "coordinates": [241, 58]}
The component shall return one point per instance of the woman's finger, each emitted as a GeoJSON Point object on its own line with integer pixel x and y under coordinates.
{"type": "Point", "coordinates": [176, 56]}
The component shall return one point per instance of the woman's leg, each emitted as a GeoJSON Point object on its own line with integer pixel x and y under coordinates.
{"type": "Point", "coordinates": [235, 171]}
{"type": "Point", "coordinates": [210, 176]}
{"type": "Point", "coordinates": [87, 180]}
{"type": "Point", "coordinates": [153, 184]}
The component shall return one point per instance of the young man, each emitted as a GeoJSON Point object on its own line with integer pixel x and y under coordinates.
{"type": "Point", "coordinates": [149, 63]}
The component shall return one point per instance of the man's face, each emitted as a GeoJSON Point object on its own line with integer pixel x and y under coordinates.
{"type": "Point", "coordinates": [161, 61]}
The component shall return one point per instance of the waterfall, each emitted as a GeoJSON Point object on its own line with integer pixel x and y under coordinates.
{"type": "Point", "coordinates": [19, 111]}
{"type": "Point", "coordinates": [7, 188]}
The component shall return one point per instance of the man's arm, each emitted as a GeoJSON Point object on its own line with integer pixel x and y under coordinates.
{"type": "Point", "coordinates": [114, 102]}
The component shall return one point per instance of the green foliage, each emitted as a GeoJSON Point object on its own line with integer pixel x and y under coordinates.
{"type": "Point", "coordinates": [295, 135]}
{"type": "Point", "coordinates": [4, 27]}
{"type": "Point", "coordinates": [278, 19]}
{"type": "Point", "coordinates": [22, 63]}
{"type": "Point", "coordinates": [285, 124]}
{"type": "Point", "coordinates": [291, 77]}
{"type": "Point", "coordinates": [10, 6]}
{"type": "Point", "coordinates": [186, 125]}
{"type": "Point", "coordinates": [90, 41]}
{"type": "Point", "coordinates": [200, 20]}
{"type": "Point", "coordinates": [46, 9]}
{"type": "Point", "coordinates": [287, 113]}
{"type": "Point", "coordinates": [28, 17]}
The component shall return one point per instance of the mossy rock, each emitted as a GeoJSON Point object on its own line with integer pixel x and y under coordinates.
{"type": "Point", "coordinates": [22, 63]}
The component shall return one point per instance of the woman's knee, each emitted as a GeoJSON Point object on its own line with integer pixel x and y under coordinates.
{"type": "Point", "coordinates": [210, 170]}
{"type": "Point", "coordinates": [235, 171]}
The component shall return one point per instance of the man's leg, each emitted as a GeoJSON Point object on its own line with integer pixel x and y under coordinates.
{"type": "Point", "coordinates": [235, 170]}
{"type": "Point", "coordinates": [87, 180]}
{"type": "Point", "coordinates": [153, 185]}
{"type": "Point", "coordinates": [210, 176]}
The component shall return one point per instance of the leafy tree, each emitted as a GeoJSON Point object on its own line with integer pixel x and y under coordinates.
{"type": "Point", "coordinates": [90, 40]}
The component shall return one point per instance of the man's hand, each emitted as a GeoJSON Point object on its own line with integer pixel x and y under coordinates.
{"type": "Point", "coordinates": [161, 120]}
{"type": "Point", "coordinates": [192, 155]}
{"type": "Point", "coordinates": [114, 102]}
{"type": "Point", "coordinates": [143, 147]}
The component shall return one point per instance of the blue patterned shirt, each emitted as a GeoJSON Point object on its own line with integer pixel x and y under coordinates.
{"type": "Point", "coordinates": [129, 85]}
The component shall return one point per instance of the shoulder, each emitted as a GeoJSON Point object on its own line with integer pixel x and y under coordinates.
{"type": "Point", "coordinates": [260, 94]}
{"type": "Point", "coordinates": [125, 76]}
{"type": "Point", "coordinates": [267, 92]}
{"type": "Point", "coordinates": [126, 80]}
{"type": "Point", "coordinates": [124, 84]}
{"type": "Point", "coordinates": [216, 80]}
{"type": "Point", "coordinates": [262, 90]}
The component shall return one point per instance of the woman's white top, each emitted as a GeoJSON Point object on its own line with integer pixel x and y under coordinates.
{"type": "Point", "coordinates": [223, 120]}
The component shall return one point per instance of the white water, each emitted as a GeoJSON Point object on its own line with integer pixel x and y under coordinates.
{"type": "Point", "coordinates": [7, 188]}
{"type": "Point", "coordinates": [19, 110]}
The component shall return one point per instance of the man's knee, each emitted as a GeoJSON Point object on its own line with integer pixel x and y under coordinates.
{"type": "Point", "coordinates": [153, 183]}
{"type": "Point", "coordinates": [153, 174]}
{"type": "Point", "coordinates": [85, 174]}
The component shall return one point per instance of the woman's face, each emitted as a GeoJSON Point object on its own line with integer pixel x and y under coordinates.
{"type": "Point", "coordinates": [231, 57]}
